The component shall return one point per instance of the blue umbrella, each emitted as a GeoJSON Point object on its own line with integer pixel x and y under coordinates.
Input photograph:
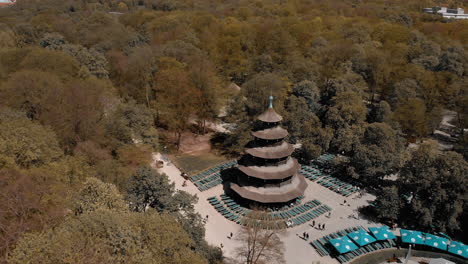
{"type": "Point", "coordinates": [435, 241]}
{"type": "Point", "coordinates": [458, 248]}
{"type": "Point", "coordinates": [343, 244]}
{"type": "Point", "coordinates": [382, 233]}
{"type": "Point", "coordinates": [361, 237]}
{"type": "Point", "coordinates": [412, 237]}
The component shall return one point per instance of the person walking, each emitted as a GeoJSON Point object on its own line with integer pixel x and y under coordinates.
{"type": "Point", "coordinates": [313, 223]}
{"type": "Point", "coordinates": [231, 234]}
{"type": "Point", "coordinates": [323, 226]}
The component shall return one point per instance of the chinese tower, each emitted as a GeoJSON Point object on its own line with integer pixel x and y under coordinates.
{"type": "Point", "coordinates": [267, 172]}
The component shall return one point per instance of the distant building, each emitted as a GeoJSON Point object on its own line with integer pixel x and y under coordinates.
{"type": "Point", "coordinates": [452, 13]}
{"type": "Point", "coordinates": [7, 2]}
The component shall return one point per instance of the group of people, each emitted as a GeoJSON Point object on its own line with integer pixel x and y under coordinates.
{"type": "Point", "coordinates": [319, 226]}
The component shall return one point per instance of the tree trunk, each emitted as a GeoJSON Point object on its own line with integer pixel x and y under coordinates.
{"type": "Point", "coordinates": [179, 136]}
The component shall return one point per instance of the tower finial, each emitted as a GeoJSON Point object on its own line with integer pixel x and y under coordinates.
{"type": "Point", "coordinates": [271, 102]}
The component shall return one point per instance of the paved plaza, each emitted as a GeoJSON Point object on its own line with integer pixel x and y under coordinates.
{"type": "Point", "coordinates": [297, 250]}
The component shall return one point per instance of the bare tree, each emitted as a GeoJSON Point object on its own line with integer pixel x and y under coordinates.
{"type": "Point", "coordinates": [259, 245]}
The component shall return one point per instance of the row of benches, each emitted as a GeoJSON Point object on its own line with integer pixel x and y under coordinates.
{"type": "Point", "coordinates": [332, 183]}
{"type": "Point", "coordinates": [297, 215]}
{"type": "Point", "coordinates": [212, 170]}
{"type": "Point", "coordinates": [212, 177]}
{"type": "Point", "coordinates": [379, 245]}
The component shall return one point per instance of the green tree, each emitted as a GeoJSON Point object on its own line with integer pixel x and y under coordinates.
{"type": "Point", "coordinates": [150, 189]}
{"type": "Point", "coordinates": [132, 123]}
{"type": "Point", "coordinates": [109, 236]}
{"type": "Point", "coordinates": [436, 182]}
{"type": "Point", "coordinates": [310, 92]}
{"type": "Point", "coordinates": [388, 204]}
{"type": "Point", "coordinates": [379, 153]}
{"type": "Point", "coordinates": [257, 91]}
{"type": "Point", "coordinates": [411, 114]}
{"type": "Point", "coordinates": [94, 61]}
{"type": "Point", "coordinates": [94, 195]}
{"type": "Point", "coordinates": [26, 142]}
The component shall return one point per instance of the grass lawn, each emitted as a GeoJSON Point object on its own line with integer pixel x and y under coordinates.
{"type": "Point", "coordinates": [196, 163]}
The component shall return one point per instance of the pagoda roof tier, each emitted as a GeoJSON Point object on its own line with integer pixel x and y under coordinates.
{"type": "Point", "coordinates": [272, 172]}
{"type": "Point", "coordinates": [271, 133]}
{"type": "Point", "coordinates": [270, 116]}
{"type": "Point", "coordinates": [273, 194]}
{"type": "Point", "coordinates": [272, 152]}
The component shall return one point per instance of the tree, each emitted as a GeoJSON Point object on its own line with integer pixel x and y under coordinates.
{"type": "Point", "coordinates": [206, 81]}
{"type": "Point", "coordinates": [177, 96]}
{"type": "Point", "coordinates": [8, 38]}
{"type": "Point", "coordinates": [27, 143]}
{"type": "Point", "coordinates": [257, 91]}
{"type": "Point", "coordinates": [78, 111]}
{"type": "Point", "coordinates": [454, 60]}
{"type": "Point", "coordinates": [310, 92]}
{"type": "Point", "coordinates": [305, 127]}
{"type": "Point", "coordinates": [388, 204]}
{"type": "Point", "coordinates": [259, 245]}
{"type": "Point", "coordinates": [56, 62]}
{"type": "Point", "coordinates": [94, 195]}
{"type": "Point", "coordinates": [437, 183]}
{"type": "Point", "coordinates": [109, 236]}
{"type": "Point", "coordinates": [150, 189]}
{"type": "Point", "coordinates": [379, 152]}
{"type": "Point", "coordinates": [381, 112]}
{"type": "Point", "coordinates": [139, 75]}
{"type": "Point", "coordinates": [31, 91]}
{"type": "Point", "coordinates": [31, 200]}
{"type": "Point", "coordinates": [133, 123]}
{"type": "Point", "coordinates": [94, 61]}
{"type": "Point", "coordinates": [347, 109]}
{"type": "Point", "coordinates": [411, 114]}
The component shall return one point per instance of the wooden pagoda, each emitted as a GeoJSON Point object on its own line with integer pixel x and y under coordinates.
{"type": "Point", "coordinates": [267, 172]}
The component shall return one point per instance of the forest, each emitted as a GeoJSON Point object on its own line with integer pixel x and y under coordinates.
{"type": "Point", "coordinates": [90, 89]}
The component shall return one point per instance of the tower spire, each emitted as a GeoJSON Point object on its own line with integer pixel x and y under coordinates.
{"type": "Point", "coordinates": [271, 101]}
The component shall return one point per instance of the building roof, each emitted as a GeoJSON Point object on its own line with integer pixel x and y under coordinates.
{"type": "Point", "coordinates": [272, 194]}
{"type": "Point", "coordinates": [270, 116]}
{"type": "Point", "coordinates": [271, 133]}
{"type": "Point", "coordinates": [233, 86]}
{"type": "Point", "coordinates": [272, 152]}
{"type": "Point", "coordinates": [272, 172]}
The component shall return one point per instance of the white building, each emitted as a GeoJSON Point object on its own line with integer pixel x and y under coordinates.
{"type": "Point", "coordinates": [452, 13]}
{"type": "Point", "coordinates": [7, 2]}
